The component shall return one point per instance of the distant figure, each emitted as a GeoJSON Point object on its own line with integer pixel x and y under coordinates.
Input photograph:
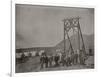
{"type": "Point", "coordinates": [50, 59]}
{"type": "Point", "coordinates": [90, 52]}
{"type": "Point", "coordinates": [56, 60]}
{"type": "Point", "coordinates": [75, 58]}
{"type": "Point", "coordinates": [23, 57]}
{"type": "Point", "coordinates": [63, 59]}
{"type": "Point", "coordinates": [46, 60]}
{"type": "Point", "coordinates": [30, 54]}
{"type": "Point", "coordinates": [42, 61]}
{"type": "Point", "coordinates": [53, 60]}
{"type": "Point", "coordinates": [72, 58]}
{"type": "Point", "coordinates": [82, 57]}
{"type": "Point", "coordinates": [60, 55]}
{"type": "Point", "coordinates": [78, 56]}
{"type": "Point", "coordinates": [69, 60]}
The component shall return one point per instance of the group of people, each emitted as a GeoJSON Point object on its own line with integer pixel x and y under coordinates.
{"type": "Point", "coordinates": [61, 60]}
{"type": "Point", "coordinates": [48, 61]}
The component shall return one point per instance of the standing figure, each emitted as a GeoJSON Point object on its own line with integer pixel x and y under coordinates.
{"type": "Point", "coordinates": [23, 57]}
{"type": "Point", "coordinates": [56, 60]}
{"type": "Point", "coordinates": [75, 58]}
{"type": "Point", "coordinates": [69, 60]}
{"type": "Point", "coordinates": [42, 61]}
{"type": "Point", "coordinates": [82, 57]}
{"type": "Point", "coordinates": [46, 61]}
{"type": "Point", "coordinates": [50, 59]}
{"type": "Point", "coordinates": [63, 59]}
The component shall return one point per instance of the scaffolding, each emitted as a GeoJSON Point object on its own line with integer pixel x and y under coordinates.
{"type": "Point", "coordinates": [72, 23]}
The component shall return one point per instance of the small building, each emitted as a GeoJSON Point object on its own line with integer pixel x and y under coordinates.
{"type": "Point", "coordinates": [41, 51]}
{"type": "Point", "coordinates": [18, 55]}
{"type": "Point", "coordinates": [33, 53]}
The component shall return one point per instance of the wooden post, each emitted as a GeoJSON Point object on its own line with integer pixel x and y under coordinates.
{"type": "Point", "coordinates": [83, 46]}
{"type": "Point", "coordinates": [70, 43]}
{"type": "Point", "coordinates": [78, 39]}
{"type": "Point", "coordinates": [64, 38]}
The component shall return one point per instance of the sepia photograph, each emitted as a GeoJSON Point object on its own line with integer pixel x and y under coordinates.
{"type": "Point", "coordinates": [53, 38]}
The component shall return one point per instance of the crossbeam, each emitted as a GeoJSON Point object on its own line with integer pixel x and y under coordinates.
{"type": "Point", "coordinates": [72, 23]}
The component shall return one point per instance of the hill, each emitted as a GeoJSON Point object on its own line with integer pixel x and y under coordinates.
{"type": "Point", "coordinates": [88, 41]}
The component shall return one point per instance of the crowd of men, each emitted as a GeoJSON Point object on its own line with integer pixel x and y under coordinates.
{"type": "Point", "coordinates": [61, 59]}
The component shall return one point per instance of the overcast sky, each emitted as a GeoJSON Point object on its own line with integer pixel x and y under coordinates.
{"type": "Point", "coordinates": [39, 26]}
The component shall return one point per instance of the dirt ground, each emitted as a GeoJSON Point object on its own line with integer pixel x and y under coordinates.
{"type": "Point", "coordinates": [33, 65]}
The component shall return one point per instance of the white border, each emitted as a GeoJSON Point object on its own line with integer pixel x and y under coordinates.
{"type": "Point", "coordinates": [45, 74]}
{"type": "Point", "coordinates": [13, 39]}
